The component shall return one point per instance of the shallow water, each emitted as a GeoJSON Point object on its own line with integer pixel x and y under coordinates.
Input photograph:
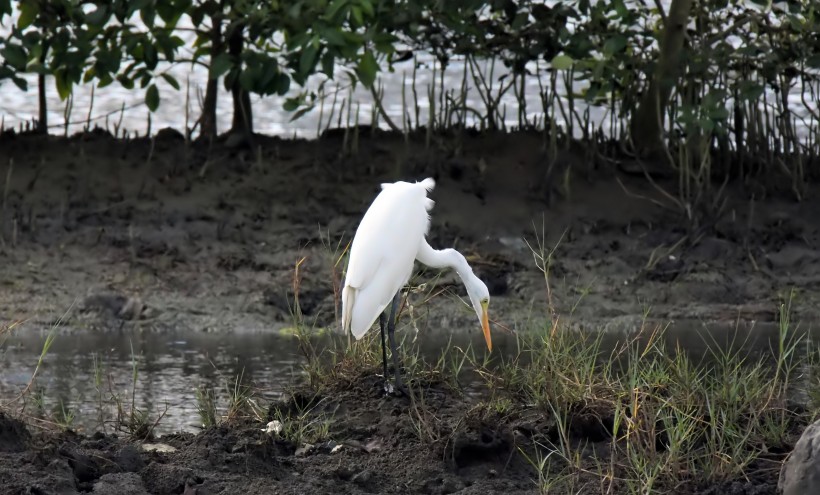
{"type": "Point", "coordinates": [171, 366]}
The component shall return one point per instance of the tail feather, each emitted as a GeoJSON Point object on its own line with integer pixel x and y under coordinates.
{"type": "Point", "coordinates": [428, 204]}
{"type": "Point", "coordinates": [428, 183]}
{"type": "Point", "coordinates": [348, 298]}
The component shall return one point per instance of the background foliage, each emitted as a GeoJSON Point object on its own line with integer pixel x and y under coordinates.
{"type": "Point", "coordinates": [681, 78]}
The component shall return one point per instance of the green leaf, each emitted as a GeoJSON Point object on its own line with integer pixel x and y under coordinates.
{"type": "Point", "coordinates": [247, 79]}
{"type": "Point", "coordinates": [719, 113]}
{"type": "Point", "coordinates": [167, 45]}
{"type": "Point", "coordinates": [197, 16]}
{"type": "Point", "coordinates": [621, 8]}
{"type": "Point", "coordinates": [15, 56]}
{"type": "Point", "coordinates": [147, 14]}
{"type": "Point", "coordinates": [63, 84]}
{"type": "Point", "coordinates": [367, 7]}
{"type": "Point", "coordinates": [291, 104]}
{"type": "Point", "coordinates": [334, 9]}
{"type": "Point", "coordinates": [20, 82]}
{"type": "Point", "coordinates": [37, 68]}
{"type": "Point", "coordinates": [152, 97]}
{"type": "Point", "coordinates": [615, 44]}
{"type": "Point", "coordinates": [231, 77]}
{"type": "Point", "coordinates": [281, 83]}
{"type": "Point", "coordinates": [125, 81]}
{"type": "Point", "coordinates": [334, 37]}
{"type": "Point", "coordinates": [814, 61]}
{"type": "Point", "coordinates": [150, 55]}
{"type": "Point", "coordinates": [98, 17]}
{"type": "Point", "coordinates": [267, 69]}
{"type": "Point", "coordinates": [28, 13]}
{"type": "Point", "coordinates": [308, 60]}
{"type": "Point", "coordinates": [562, 62]}
{"type": "Point", "coordinates": [384, 42]}
{"type": "Point", "coordinates": [220, 65]}
{"type": "Point", "coordinates": [328, 63]}
{"type": "Point", "coordinates": [104, 81]}
{"type": "Point", "coordinates": [301, 112]}
{"type": "Point", "coordinates": [168, 13]}
{"type": "Point", "coordinates": [135, 5]}
{"type": "Point", "coordinates": [171, 80]}
{"type": "Point", "coordinates": [357, 15]}
{"type": "Point", "coordinates": [367, 69]}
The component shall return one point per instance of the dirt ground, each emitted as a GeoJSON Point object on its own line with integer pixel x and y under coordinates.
{"type": "Point", "coordinates": [375, 447]}
{"type": "Point", "coordinates": [177, 236]}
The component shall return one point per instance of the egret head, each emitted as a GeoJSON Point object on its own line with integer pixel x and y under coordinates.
{"type": "Point", "coordinates": [480, 298]}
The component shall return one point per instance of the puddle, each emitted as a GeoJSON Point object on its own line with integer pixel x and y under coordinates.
{"type": "Point", "coordinates": [171, 366]}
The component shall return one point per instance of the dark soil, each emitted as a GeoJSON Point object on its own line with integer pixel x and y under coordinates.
{"type": "Point", "coordinates": [163, 235]}
{"type": "Point", "coordinates": [376, 444]}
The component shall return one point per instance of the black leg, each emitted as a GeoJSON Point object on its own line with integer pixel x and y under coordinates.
{"type": "Point", "coordinates": [391, 329]}
{"type": "Point", "coordinates": [382, 324]}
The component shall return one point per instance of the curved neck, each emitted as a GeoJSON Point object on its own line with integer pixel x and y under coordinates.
{"type": "Point", "coordinates": [447, 258]}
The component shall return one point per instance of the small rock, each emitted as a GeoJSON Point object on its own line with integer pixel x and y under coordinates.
{"type": "Point", "coordinates": [131, 310]}
{"type": "Point", "coordinates": [84, 467]}
{"type": "Point", "coordinates": [129, 459]}
{"type": "Point", "coordinates": [336, 449]}
{"type": "Point", "coordinates": [800, 473]}
{"type": "Point", "coordinates": [169, 134]}
{"type": "Point", "coordinates": [236, 140]}
{"type": "Point", "coordinates": [303, 449]}
{"type": "Point", "coordinates": [120, 484]}
{"type": "Point", "coordinates": [791, 257]}
{"type": "Point", "coordinates": [115, 305]}
{"type": "Point", "coordinates": [373, 445]}
{"type": "Point", "coordinates": [274, 428]}
{"type": "Point", "coordinates": [362, 478]}
{"type": "Point", "coordinates": [158, 447]}
{"type": "Point", "coordinates": [328, 446]}
{"type": "Point", "coordinates": [13, 434]}
{"type": "Point", "coordinates": [345, 473]}
{"type": "Point", "coordinates": [190, 489]}
{"type": "Point", "coordinates": [443, 485]}
{"type": "Point", "coordinates": [451, 485]}
{"type": "Point", "coordinates": [516, 243]}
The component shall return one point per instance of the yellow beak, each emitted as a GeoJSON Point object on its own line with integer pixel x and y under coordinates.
{"type": "Point", "coordinates": [485, 325]}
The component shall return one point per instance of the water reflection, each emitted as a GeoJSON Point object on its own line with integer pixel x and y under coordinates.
{"type": "Point", "coordinates": [171, 366]}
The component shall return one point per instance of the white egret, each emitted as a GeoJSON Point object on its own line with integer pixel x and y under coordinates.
{"type": "Point", "coordinates": [390, 237]}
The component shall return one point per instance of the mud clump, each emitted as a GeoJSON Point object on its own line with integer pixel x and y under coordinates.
{"type": "Point", "coordinates": [13, 434]}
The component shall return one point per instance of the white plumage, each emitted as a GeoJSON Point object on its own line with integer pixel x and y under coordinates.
{"type": "Point", "coordinates": [390, 237]}
{"type": "Point", "coordinates": [383, 251]}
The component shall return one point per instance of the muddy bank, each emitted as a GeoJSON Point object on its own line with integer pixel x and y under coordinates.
{"type": "Point", "coordinates": [171, 235]}
{"type": "Point", "coordinates": [351, 439]}
{"type": "Point", "coordinates": [112, 235]}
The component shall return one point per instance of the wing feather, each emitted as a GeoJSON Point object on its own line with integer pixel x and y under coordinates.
{"type": "Point", "coordinates": [383, 251]}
